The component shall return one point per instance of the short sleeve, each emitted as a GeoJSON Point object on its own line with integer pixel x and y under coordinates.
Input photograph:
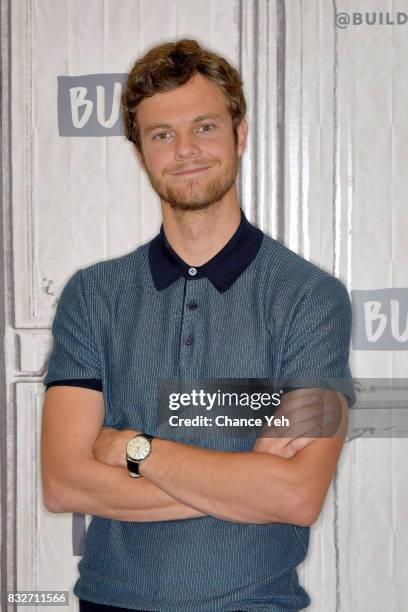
{"type": "Point", "coordinates": [74, 355]}
{"type": "Point", "coordinates": [317, 340]}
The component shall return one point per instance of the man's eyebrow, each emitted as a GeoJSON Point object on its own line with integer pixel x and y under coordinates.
{"type": "Point", "coordinates": [197, 119]}
{"type": "Point", "coordinates": [207, 116]}
{"type": "Point", "coordinates": [150, 128]}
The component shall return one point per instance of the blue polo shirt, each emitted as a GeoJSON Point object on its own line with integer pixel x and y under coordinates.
{"type": "Point", "coordinates": [255, 310]}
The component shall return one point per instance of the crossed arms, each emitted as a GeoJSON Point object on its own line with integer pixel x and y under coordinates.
{"type": "Point", "coordinates": [280, 480]}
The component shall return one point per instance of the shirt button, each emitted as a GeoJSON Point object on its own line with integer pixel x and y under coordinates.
{"type": "Point", "coordinates": [189, 340]}
{"type": "Point", "coordinates": [192, 271]}
{"type": "Point", "coordinates": [192, 305]}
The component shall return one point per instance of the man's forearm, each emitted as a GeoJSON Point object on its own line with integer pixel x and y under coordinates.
{"type": "Point", "coordinates": [101, 490]}
{"type": "Point", "coordinates": [268, 485]}
{"type": "Point", "coordinates": [243, 486]}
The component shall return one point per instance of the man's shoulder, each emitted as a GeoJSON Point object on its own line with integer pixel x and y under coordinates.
{"type": "Point", "coordinates": [116, 268]}
{"type": "Point", "coordinates": [292, 272]}
{"type": "Point", "coordinates": [106, 280]}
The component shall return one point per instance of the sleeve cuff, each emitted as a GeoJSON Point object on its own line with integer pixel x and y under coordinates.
{"type": "Point", "coordinates": [88, 383]}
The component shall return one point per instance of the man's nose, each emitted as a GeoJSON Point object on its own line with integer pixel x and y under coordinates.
{"type": "Point", "coordinates": [186, 145]}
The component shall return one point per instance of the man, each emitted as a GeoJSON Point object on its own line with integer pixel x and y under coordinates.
{"type": "Point", "coordinates": [183, 520]}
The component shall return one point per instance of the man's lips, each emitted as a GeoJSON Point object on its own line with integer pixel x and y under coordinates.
{"type": "Point", "coordinates": [192, 171]}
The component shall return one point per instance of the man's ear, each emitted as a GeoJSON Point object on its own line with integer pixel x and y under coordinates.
{"type": "Point", "coordinates": [140, 157]}
{"type": "Point", "coordinates": [242, 134]}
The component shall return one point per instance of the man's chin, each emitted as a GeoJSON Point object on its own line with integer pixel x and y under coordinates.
{"type": "Point", "coordinates": [190, 206]}
{"type": "Point", "coordinates": [183, 200]}
{"type": "Point", "coordinates": [195, 197]}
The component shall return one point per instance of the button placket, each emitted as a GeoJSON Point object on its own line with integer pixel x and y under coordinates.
{"type": "Point", "coordinates": [189, 325]}
{"type": "Point", "coordinates": [191, 306]}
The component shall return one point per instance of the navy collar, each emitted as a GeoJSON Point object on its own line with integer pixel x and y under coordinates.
{"type": "Point", "coordinates": [222, 270]}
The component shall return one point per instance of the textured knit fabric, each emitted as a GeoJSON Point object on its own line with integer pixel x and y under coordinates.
{"type": "Point", "coordinates": [281, 317]}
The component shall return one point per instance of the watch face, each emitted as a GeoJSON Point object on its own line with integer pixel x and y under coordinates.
{"type": "Point", "coordinates": [138, 448]}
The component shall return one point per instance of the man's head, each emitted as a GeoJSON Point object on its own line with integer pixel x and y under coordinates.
{"type": "Point", "coordinates": [184, 109]}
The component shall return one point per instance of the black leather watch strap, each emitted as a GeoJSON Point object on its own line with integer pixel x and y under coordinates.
{"type": "Point", "coordinates": [133, 467]}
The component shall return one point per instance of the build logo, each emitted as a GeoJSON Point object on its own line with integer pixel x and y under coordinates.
{"type": "Point", "coordinates": [380, 319]}
{"type": "Point", "coordinates": [89, 105]}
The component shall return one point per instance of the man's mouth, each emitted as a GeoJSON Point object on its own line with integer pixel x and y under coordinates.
{"type": "Point", "coordinates": [196, 170]}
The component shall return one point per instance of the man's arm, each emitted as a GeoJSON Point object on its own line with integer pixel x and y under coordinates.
{"type": "Point", "coordinates": [239, 486]}
{"type": "Point", "coordinates": [250, 487]}
{"type": "Point", "coordinates": [74, 481]}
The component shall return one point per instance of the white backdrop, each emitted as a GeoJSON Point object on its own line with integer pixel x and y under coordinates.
{"type": "Point", "coordinates": [325, 172]}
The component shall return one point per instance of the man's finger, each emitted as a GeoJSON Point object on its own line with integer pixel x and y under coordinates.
{"type": "Point", "coordinates": [326, 423]}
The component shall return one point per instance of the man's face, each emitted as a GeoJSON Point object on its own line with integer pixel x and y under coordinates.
{"type": "Point", "coordinates": [188, 145]}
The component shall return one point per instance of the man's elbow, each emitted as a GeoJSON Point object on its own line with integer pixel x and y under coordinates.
{"type": "Point", "coordinates": [294, 510]}
{"type": "Point", "coordinates": [304, 516]}
{"type": "Point", "coordinates": [307, 517]}
{"type": "Point", "coordinates": [300, 510]}
{"type": "Point", "coordinates": [66, 487]}
{"type": "Point", "coordinates": [52, 505]}
{"type": "Point", "coordinates": [53, 496]}
{"type": "Point", "coordinates": [308, 511]}
{"type": "Point", "coordinates": [60, 492]}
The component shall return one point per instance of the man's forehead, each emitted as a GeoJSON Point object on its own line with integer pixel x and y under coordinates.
{"type": "Point", "coordinates": [194, 101]}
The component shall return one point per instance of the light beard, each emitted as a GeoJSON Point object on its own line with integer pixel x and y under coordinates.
{"type": "Point", "coordinates": [206, 195]}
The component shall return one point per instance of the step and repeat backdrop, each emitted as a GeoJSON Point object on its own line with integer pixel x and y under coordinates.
{"type": "Point", "coordinates": [324, 172]}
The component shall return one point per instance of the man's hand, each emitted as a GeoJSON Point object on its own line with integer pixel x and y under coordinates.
{"type": "Point", "coordinates": [311, 414]}
{"type": "Point", "coordinates": [110, 445]}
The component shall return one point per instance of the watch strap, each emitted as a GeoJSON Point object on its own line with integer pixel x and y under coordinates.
{"type": "Point", "coordinates": [133, 468]}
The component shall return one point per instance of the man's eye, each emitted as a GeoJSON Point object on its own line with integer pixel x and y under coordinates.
{"type": "Point", "coordinates": [207, 125]}
{"type": "Point", "coordinates": [159, 136]}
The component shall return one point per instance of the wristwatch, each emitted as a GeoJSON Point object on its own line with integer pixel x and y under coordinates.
{"type": "Point", "coordinates": [137, 449]}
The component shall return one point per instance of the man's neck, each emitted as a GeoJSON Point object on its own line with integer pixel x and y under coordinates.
{"type": "Point", "coordinates": [197, 236]}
